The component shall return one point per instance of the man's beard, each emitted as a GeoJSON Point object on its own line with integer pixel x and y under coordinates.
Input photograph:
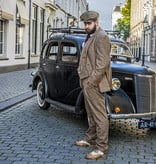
{"type": "Point", "coordinates": [92, 31]}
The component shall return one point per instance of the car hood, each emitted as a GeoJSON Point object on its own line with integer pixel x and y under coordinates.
{"type": "Point", "coordinates": [129, 68]}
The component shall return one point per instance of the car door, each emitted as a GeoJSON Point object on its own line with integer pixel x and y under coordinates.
{"type": "Point", "coordinates": [49, 67]}
{"type": "Point", "coordinates": [68, 80]}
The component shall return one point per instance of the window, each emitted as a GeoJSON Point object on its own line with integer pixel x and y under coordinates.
{"type": "Point", "coordinates": [19, 35]}
{"type": "Point", "coordinates": [41, 27]}
{"type": "Point", "coordinates": [120, 49]}
{"type": "Point", "coordinates": [53, 51]}
{"type": "Point", "coordinates": [1, 37]}
{"type": "Point", "coordinates": [34, 29]}
{"type": "Point", "coordinates": [69, 53]}
{"type": "Point", "coordinates": [153, 42]}
{"type": "Point", "coordinates": [120, 52]}
{"type": "Point", "coordinates": [19, 41]}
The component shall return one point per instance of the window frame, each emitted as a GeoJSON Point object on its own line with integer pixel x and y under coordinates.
{"type": "Point", "coordinates": [34, 28]}
{"type": "Point", "coordinates": [49, 48]}
{"type": "Point", "coordinates": [2, 41]}
{"type": "Point", "coordinates": [77, 52]}
{"type": "Point", "coordinates": [42, 15]}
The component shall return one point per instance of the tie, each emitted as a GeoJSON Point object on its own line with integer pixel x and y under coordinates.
{"type": "Point", "coordinates": [87, 37]}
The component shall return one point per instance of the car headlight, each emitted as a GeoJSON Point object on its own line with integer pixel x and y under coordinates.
{"type": "Point", "coordinates": [115, 84]}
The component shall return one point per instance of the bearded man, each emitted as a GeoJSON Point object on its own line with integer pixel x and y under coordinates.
{"type": "Point", "coordinates": [95, 78]}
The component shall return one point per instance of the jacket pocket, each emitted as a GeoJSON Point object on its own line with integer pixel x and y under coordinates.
{"type": "Point", "coordinates": [104, 85]}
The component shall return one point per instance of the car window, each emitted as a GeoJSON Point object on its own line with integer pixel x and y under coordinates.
{"type": "Point", "coordinates": [120, 52]}
{"type": "Point", "coordinates": [69, 52]}
{"type": "Point", "coordinates": [53, 51]}
{"type": "Point", "coordinates": [119, 49]}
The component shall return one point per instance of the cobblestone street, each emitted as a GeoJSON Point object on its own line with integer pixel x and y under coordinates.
{"type": "Point", "coordinates": [14, 87]}
{"type": "Point", "coordinates": [29, 135]}
{"type": "Point", "coordinates": [60, 59]}
{"type": "Point", "coordinates": [13, 84]}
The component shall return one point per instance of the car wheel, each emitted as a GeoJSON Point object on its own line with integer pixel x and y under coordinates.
{"type": "Point", "coordinates": [41, 96]}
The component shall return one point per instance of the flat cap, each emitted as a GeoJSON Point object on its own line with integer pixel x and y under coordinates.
{"type": "Point", "coordinates": [89, 16]}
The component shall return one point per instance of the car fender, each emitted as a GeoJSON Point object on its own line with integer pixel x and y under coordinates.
{"type": "Point", "coordinates": [36, 78]}
{"type": "Point", "coordinates": [119, 99]}
{"type": "Point", "coordinates": [113, 99]}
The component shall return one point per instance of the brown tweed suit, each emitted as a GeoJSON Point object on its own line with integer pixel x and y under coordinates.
{"type": "Point", "coordinates": [95, 67]}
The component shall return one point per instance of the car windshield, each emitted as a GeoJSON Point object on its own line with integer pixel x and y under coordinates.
{"type": "Point", "coordinates": [120, 52]}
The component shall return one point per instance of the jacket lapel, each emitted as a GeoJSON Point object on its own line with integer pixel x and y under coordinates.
{"type": "Point", "coordinates": [91, 39]}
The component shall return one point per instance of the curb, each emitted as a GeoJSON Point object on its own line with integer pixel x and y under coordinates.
{"type": "Point", "coordinates": [15, 100]}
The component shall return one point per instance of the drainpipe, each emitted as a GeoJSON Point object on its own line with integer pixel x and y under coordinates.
{"type": "Point", "coordinates": [29, 34]}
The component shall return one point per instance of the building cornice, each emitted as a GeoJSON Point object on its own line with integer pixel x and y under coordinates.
{"type": "Point", "coordinates": [51, 6]}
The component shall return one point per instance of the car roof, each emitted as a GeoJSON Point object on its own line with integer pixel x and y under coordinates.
{"type": "Point", "coordinates": [79, 37]}
{"type": "Point", "coordinates": [78, 33]}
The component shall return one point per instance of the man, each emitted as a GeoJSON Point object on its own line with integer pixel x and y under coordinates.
{"type": "Point", "coordinates": [95, 78]}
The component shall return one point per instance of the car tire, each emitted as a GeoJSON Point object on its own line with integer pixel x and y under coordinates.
{"type": "Point", "coordinates": [41, 96]}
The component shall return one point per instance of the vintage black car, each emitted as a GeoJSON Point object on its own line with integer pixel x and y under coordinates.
{"type": "Point", "coordinates": [133, 93]}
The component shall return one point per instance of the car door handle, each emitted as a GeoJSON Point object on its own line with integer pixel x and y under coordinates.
{"type": "Point", "coordinates": [57, 67]}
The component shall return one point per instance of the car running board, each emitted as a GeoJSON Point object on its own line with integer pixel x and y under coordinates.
{"type": "Point", "coordinates": [68, 108]}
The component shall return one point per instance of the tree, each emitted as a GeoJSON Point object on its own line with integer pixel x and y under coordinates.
{"type": "Point", "coordinates": [123, 23]}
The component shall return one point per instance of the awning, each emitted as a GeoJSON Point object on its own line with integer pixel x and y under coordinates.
{"type": "Point", "coordinates": [5, 10]}
{"type": "Point", "coordinates": [22, 12]}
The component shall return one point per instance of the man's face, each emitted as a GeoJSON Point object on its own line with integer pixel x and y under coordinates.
{"type": "Point", "coordinates": [90, 27]}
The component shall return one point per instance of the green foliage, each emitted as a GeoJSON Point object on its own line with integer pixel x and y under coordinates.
{"type": "Point", "coordinates": [123, 23]}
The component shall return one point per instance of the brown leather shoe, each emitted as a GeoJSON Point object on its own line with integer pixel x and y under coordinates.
{"type": "Point", "coordinates": [95, 154]}
{"type": "Point", "coordinates": [82, 143]}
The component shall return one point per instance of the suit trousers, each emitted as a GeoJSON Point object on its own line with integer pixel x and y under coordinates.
{"type": "Point", "coordinates": [98, 131]}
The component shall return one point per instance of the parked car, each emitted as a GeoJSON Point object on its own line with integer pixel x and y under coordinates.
{"type": "Point", "coordinates": [133, 93]}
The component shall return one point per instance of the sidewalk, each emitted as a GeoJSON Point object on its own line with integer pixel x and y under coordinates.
{"type": "Point", "coordinates": [150, 64]}
{"type": "Point", "coordinates": [14, 86]}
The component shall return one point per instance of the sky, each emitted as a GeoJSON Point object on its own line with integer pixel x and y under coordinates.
{"type": "Point", "coordinates": [104, 8]}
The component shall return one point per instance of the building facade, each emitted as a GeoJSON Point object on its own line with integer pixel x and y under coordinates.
{"type": "Point", "coordinates": [153, 32]}
{"type": "Point", "coordinates": [143, 29]}
{"type": "Point", "coordinates": [116, 14]}
{"type": "Point", "coordinates": [24, 27]}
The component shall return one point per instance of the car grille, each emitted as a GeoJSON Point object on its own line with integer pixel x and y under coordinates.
{"type": "Point", "coordinates": [145, 86]}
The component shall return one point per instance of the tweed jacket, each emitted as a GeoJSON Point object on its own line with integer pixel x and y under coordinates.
{"type": "Point", "coordinates": [94, 62]}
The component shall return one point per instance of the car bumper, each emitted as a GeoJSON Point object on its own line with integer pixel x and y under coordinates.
{"type": "Point", "coordinates": [133, 115]}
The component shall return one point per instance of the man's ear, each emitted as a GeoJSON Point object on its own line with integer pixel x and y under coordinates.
{"type": "Point", "coordinates": [97, 22]}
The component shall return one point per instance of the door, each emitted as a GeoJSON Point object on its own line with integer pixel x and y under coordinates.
{"type": "Point", "coordinates": [67, 76]}
{"type": "Point", "coordinates": [49, 66]}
